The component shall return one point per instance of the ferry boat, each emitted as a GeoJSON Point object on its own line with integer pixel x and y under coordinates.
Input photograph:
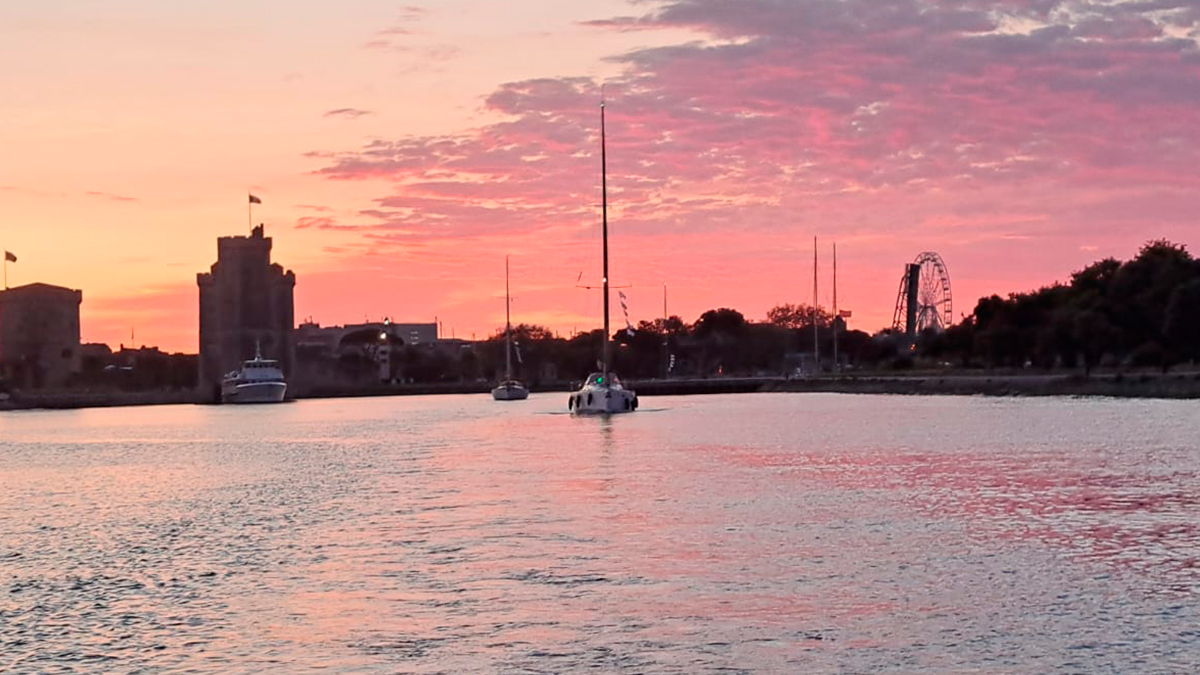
{"type": "Point", "coordinates": [258, 381]}
{"type": "Point", "coordinates": [602, 392]}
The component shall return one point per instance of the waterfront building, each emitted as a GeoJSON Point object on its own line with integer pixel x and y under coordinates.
{"type": "Point", "coordinates": [329, 339]}
{"type": "Point", "coordinates": [246, 303]}
{"type": "Point", "coordinates": [356, 353]}
{"type": "Point", "coordinates": [39, 335]}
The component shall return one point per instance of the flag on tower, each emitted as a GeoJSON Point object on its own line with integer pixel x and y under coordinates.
{"type": "Point", "coordinates": [9, 257]}
{"type": "Point", "coordinates": [255, 200]}
{"type": "Point", "coordinates": [844, 313]}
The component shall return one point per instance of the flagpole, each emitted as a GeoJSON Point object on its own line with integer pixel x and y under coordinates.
{"type": "Point", "coordinates": [835, 309]}
{"type": "Point", "coordinates": [816, 333]}
{"type": "Point", "coordinates": [249, 211]}
{"type": "Point", "coordinates": [665, 347]}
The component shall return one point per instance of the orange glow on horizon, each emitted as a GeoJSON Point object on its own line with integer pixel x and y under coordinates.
{"type": "Point", "coordinates": [401, 153]}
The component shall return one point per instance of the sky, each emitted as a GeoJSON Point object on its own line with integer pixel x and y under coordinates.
{"type": "Point", "coordinates": [403, 149]}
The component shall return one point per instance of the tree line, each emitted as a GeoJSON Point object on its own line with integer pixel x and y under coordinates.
{"type": "Point", "coordinates": [1144, 312]}
{"type": "Point", "coordinates": [720, 341]}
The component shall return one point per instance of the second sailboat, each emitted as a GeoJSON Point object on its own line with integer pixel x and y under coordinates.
{"type": "Point", "coordinates": [509, 389]}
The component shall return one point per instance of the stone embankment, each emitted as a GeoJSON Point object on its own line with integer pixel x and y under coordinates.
{"type": "Point", "coordinates": [68, 399]}
{"type": "Point", "coordinates": [1184, 385]}
{"type": "Point", "coordinates": [1125, 385]}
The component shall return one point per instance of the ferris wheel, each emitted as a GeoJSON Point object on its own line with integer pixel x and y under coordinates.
{"type": "Point", "coordinates": [926, 287]}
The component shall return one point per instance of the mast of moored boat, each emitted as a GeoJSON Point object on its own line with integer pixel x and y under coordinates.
{"type": "Point", "coordinates": [604, 231]}
{"type": "Point", "coordinates": [815, 312]}
{"type": "Point", "coordinates": [507, 328]}
{"type": "Point", "coordinates": [834, 323]}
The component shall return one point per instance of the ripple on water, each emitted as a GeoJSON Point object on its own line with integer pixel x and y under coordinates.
{"type": "Point", "coordinates": [739, 534]}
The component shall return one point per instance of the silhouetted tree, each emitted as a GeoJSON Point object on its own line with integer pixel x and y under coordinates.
{"type": "Point", "coordinates": [1181, 321]}
{"type": "Point", "coordinates": [1096, 335]}
{"type": "Point", "coordinates": [724, 321]}
{"type": "Point", "coordinates": [1142, 312]}
{"type": "Point", "coordinates": [797, 316]}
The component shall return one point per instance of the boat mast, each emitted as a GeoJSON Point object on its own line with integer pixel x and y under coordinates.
{"type": "Point", "coordinates": [507, 328]}
{"type": "Point", "coordinates": [666, 350]}
{"type": "Point", "coordinates": [816, 313]}
{"type": "Point", "coordinates": [834, 323]}
{"type": "Point", "coordinates": [604, 231]}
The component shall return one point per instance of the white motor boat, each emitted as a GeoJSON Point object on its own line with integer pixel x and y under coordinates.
{"type": "Point", "coordinates": [602, 392]}
{"type": "Point", "coordinates": [510, 389]}
{"type": "Point", "coordinates": [259, 381]}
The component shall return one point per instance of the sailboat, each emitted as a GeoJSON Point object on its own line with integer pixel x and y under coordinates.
{"type": "Point", "coordinates": [509, 389]}
{"type": "Point", "coordinates": [602, 392]}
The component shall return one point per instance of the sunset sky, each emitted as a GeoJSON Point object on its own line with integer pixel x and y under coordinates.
{"type": "Point", "coordinates": [401, 150]}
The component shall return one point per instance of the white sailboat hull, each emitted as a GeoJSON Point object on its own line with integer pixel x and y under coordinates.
{"type": "Point", "coordinates": [600, 400]}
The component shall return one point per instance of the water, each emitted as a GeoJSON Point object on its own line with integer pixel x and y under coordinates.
{"type": "Point", "coordinates": [778, 533]}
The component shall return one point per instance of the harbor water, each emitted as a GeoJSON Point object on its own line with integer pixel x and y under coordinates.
{"type": "Point", "coordinates": [755, 533]}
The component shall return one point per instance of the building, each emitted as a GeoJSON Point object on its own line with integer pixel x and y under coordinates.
{"type": "Point", "coordinates": [355, 354]}
{"type": "Point", "coordinates": [245, 304]}
{"type": "Point", "coordinates": [330, 338]}
{"type": "Point", "coordinates": [39, 335]}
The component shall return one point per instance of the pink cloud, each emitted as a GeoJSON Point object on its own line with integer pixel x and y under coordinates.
{"type": "Point", "coordinates": [894, 127]}
{"type": "Point", "coordinates": [348, 113]}
{"type": "Point", "coordinates": [109, 196]}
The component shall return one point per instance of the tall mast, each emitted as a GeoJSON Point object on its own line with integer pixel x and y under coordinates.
{"type": "Point", "coordinates": [604, 230]}
{"type": "Point", "coordinates": [666, 359]}
{"type": "Point", "coordinates": [507, 327]}
{"type": "Point", "coordinates": [816, 334]}
{"type": "Point", "coordinates": [835, 309]}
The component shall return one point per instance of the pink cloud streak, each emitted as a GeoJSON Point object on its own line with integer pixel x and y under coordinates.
{"type": "Point", "coordinates": [892, 127]}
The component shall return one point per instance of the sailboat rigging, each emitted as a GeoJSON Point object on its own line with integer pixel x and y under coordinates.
{"type": "Point", "coordinates": [510, 389]}
{"type": "Point", "coordinates": [602, 392]}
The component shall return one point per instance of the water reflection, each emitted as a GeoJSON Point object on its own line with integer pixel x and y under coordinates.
{"type": "Point", "coordinates": [722, 534]}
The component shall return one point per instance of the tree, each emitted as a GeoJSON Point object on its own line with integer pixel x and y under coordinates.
{"type": "Point", "coordinates": [672, 326]}
{"type": "Point", "coordinates": [1096, 335]}
{"type": "Point", "coordinates": [797, 316]}
{"type": "Point", "coordinates": [1181, 323]}
{"type": "Point", "coordinates": [723, 321]}
{"type": "Point", "coordinates": [1096, 277]}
